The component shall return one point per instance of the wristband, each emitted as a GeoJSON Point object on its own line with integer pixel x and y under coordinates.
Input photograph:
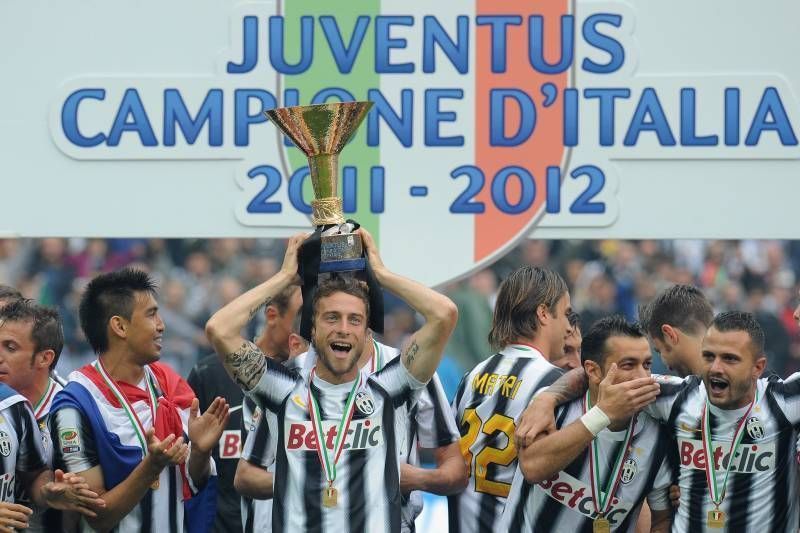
{"type": "Point", "coordinates": [595, 420]}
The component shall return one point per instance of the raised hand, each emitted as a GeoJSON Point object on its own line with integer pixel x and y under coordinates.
{"type": "Point", "coordinates": [13, 516]}
{"type": "Point", "coordinates": [371, 249]}
{"type": "Point", "coordinates": [165, 452]}
{"type": "Point", "coordinates": [206, 430]}
{"type": "Point", "coordinates": [290, 261]}
{"type": "Point", "coordinates": [620, 401]}
{"type": "Point", "coordinates": [71, 492]}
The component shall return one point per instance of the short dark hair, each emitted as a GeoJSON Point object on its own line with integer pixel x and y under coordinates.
{"type": "Point", "coordinates": [281, 300]}
{"type": "Point", "coordinates": [681, 306]}
{"type": "Point", "coordinates": [347, 285]}
{"type": "Point", "coordinates": [47, 332]}
{"type": "Point", "coordinates": [574, 319]}
{"type": "Point", "coordinates": [521, 293]}
{"type": "Point", "coordinates": [108, 295]}
{"type": "Point", "coordinates": [742, 321]}
{"type": "Point", "coordinates": [8, 292]}
{"type": "Point", "coordinates": [593, 344]}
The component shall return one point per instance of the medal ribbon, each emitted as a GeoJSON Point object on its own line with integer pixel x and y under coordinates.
{"type": "Point", "coordinates": [42, 403]}
{"type": "Point", "coordinates": [344, 424]}
{"type": "Point", "coordinates": [602, 500]}
{"type": "Point", "coordinates": [717, 494]}
{"type": "Point", "coordinates": [138, 428]}
{"type": "Point", "coordinates": [377, 357]}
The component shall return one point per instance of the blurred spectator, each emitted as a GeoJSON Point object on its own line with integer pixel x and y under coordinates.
{"type": "Point", "coordinates": [475, 300]}
{"type": "Point", "coordinates": [197, 276]}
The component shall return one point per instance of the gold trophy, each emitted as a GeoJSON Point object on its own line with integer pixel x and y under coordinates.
{"type": "Point", "coordinates": [321, 132]}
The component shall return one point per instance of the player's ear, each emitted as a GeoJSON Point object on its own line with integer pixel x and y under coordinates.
{"type": "Point", "coordinates": [759, 366]}
{"type": "Point", "coordinates": [670, 334]}
{"type": "Point", "coordinates": [593, 371]}
{"type": "Point", "coordinates": [542, 314]}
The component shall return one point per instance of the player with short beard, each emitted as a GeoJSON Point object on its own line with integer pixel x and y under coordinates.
{"type": "Point", "coordinates": [747, 424]}
{"type": "Point", "coordinates": [568, 481]}
{"type": "Point", "coordinates": [329, 487]}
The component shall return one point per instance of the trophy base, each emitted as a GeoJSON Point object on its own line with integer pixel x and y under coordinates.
{"type": "Point", "coordinates": [348, 265]}
{"type": "Point", "coordinates": [342, 253]}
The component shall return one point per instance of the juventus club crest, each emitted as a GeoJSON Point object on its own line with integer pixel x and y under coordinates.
{"type": "Point", "coordinates": [5, 444]}
{"type": "Point", "coordinates": [364, 403]}
{"type": "Point", "coordinates": [755, 428]}
{"type": "Point", "coordinates": [629, 471]}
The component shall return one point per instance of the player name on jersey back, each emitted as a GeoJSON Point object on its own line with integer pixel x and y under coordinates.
{"type": "Point", "coordinates": [486, 384]}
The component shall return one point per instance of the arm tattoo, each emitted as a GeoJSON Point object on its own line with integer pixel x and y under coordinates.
{"type": "Point", "coordinates": [571, 385]}
{"type": "Point", "coordinates": [246, 365]}
{"type": "Point", "coordinates": [411, 352]}
{"type": "Point", "coordinates": [254, 310]}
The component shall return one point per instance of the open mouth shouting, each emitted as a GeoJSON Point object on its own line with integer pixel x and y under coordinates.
{"type": "Point", "coordinates": [717, 386]}
{"type": "Point", "coordinates": [340, 349]}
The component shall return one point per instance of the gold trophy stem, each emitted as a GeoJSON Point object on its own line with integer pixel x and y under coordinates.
{"type": "Point", "coordinates": [327, 208]}
{"type": "Point", "coordinates": [324, 174]}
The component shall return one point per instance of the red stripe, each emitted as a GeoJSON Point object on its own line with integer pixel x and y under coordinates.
{"type": "Point", "coordinates": [46, 400]}
{"type": "Point", "coordinates": [94, 376]}
{"type": "Point", "coordinates": [544, 148]}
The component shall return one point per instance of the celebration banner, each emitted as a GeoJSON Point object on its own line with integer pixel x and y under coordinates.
{"type": "Point", "coordinates": [492, 121]}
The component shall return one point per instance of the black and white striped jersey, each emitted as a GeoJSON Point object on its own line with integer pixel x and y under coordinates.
{"type": "Point", "coordinates": [761, 493]}
{"type": "Point", "coordinates": [487, 406]}
{"type": "Point", "coordinates": [259, 430]}
{"type": "Point", "coordinates": [367, 473]}
{"type": "Point", "coordinates": [429, 423]}
{"type": "Point", "coordinates": [20, 443]}
{"type": "Point", "coordinates": [42, 519]}
{"type": "Point", "coordinates": [259, 449]}
{"type": "Point", "coordinates": [564, 502]}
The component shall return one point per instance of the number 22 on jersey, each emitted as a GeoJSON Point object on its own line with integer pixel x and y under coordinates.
{"type": "Point", "coordinates": [493, 430]}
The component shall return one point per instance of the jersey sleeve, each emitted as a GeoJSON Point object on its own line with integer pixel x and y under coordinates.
{"type": "Point", "coordinates": [74, 448]}
{"type": "Point", "coordinates": [30, 454]}
{"type": "Point", "coordinates": [274, 386]}
{"type": "Point", "coordinates": [658, 498]}
{"type": "Point", "coordinates": [398, 382]}
{"type": "Point", "coordinates": [787, 393]}
{"type": "Point", "coordinates": [671, 388]}
{"type": "Point", "coordinates": [436, 426]}
{"type": "Point", "coordinates": [256, 431]}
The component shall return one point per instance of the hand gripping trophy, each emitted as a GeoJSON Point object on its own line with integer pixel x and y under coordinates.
{"type": "Point", "coordinates": [321, 132]}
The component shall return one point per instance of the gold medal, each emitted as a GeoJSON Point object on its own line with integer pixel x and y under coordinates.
{"type": "Point", "coordinates": [329, 496]}
{"type": "Point", "coordinates": [155, 484]}
{"type": "Point", "coordinates": [601, 525]}
{"type": "Point", "coordinates": [716, 519]}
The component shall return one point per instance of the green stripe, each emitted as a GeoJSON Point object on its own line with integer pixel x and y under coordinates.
{"type": "Point", "coordinates": [324, 74]}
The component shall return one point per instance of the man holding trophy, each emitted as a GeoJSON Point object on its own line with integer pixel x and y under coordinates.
{"type": "Point", "coordinates": [337, 460]}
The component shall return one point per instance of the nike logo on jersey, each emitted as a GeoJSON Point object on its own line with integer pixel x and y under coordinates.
{"type": "Point", "coordinates": [362, 434]}
{"type": "Point", "coordinates": [749, 458]}
{"type": "Point", "coordinates": [576, 495]}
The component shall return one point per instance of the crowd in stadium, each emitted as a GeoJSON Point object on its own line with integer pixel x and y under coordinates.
{"type": "Point", "coordinates": [279, 410]}
{"type": "Point", "coordinates": [196, 277]}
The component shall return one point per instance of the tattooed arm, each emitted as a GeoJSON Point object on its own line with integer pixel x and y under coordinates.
{"type": "Point", "coordinates": [537, 420]}
{"type": "Point", "coordinates": [242, 359]}
{"type": "Point", "coordinates": [425, 349]}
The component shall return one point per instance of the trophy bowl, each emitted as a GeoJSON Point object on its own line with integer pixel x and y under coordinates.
{"type": "Point", "coordinates": [321, 132]}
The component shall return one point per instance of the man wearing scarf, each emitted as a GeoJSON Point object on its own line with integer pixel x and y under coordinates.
{"type": "Point", "coordinates": [129, 424]}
